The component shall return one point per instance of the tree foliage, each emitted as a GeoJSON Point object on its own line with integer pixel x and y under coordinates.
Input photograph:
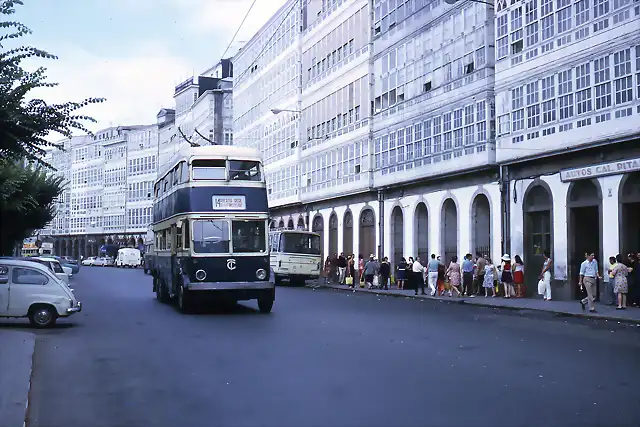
{"type": "Point", "coordinates": [25, 123]}
{"type": "Point", "coordinates": [27, 201]}
{"type": "Point", "coordinates": [28, 188]}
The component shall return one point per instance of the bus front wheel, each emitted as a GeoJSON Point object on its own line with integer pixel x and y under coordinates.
{"type": "Point", "coordinates": [184, 300]}
{"type": "Point", "coordinates": [265, 303]}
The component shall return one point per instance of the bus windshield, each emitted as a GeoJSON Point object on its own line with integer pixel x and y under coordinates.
{"type": "Point", "coordinates": [302, 243]}
{"type": "Point", "coordinates": [244, 170]}
{"type": "Point", "coordinates": [209, 169]}
{"type": "Point", "coordinates": [249, 236]}
{"type": "Point", "coordinates": [211, 236]}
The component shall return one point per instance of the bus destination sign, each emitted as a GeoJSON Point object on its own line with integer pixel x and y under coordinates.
{"type": "Point", "coordinates": [229, 203]}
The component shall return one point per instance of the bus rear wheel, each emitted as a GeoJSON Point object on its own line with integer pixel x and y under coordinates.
{"type": "Point", "coordinates": [161, 292]}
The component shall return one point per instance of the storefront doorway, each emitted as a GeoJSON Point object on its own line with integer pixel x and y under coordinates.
{"type": "Point", "coordinates": [367, 239]}
{"type": "Point", "coordinates": [347, 238]}
{"type": "Point", "coordinates": [397, 235]}
{"type": "Point", "coordinates": [538, 234]}
{"type": "Point", "coordinates": [318, 227]}
{"type": "Point", "coordinates": [422, 232]}
{"type": "Point", "coordinates": [584, 204]}
{"type": "Point", "coordinates": [333, 234]}
{"type": "Point", "coordinates": [449, 231]}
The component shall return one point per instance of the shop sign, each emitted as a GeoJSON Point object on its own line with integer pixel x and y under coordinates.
{"type": "Point", "coordinates": [602, 169]}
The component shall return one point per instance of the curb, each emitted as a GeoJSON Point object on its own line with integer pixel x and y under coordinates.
{"type": "Point", "coordinates": [486, 305]}
{"type": "Point", "coordinates": [18, 351]}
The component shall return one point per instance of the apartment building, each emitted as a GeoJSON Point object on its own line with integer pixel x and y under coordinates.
{"type": "Point", "coordinates": [568, 107]}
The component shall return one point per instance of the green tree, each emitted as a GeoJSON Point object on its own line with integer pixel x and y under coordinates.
{"type": "Point", "coordinates": [27, 197]}
{"type": "Point", "coordinates": [27, 193]}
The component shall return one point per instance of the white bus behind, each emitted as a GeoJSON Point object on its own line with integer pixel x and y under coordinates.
{"type": "Point", "coordinates": [295, 256]}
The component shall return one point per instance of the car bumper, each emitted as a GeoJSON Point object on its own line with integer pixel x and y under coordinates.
{"type": "Point", "coordinates": [76, 309]}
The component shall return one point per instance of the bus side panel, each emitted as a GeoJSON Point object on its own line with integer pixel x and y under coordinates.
{"type": "Point", "coordinates": [200, 199]}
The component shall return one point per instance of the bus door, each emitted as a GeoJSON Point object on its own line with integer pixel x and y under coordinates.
{"type": "Point", "coordinates": [174, 258]}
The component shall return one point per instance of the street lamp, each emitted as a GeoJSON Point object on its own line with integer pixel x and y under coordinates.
{"type": "Point", "coordinates": [280, 110]}
{"type": "Point", "coordinates": [474, 1]}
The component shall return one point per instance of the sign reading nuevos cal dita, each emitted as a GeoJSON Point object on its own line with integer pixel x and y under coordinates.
{"type": "Point", "coordinates": [229, 203]}
{"type": "Point", "coordinates": [602, 169]}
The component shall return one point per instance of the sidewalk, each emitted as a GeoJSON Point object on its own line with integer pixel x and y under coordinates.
{"type": "Point", "coordinates": [567, 308]}
{"type": "Point", "coordinates": [16, 354]}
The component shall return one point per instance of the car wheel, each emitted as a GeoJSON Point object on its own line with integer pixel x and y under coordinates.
{"type": "Point", "coordinates": [43, 316]}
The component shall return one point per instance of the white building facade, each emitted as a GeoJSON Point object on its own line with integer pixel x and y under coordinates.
{"type": "Point", "coordinates": [108, 198]}
{"type": "Point", "coordinates": [568, 107]}
{"type": "Point", "coordinates": [395, 96]}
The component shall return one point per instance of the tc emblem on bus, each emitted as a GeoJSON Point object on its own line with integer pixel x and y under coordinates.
{"type": "Point", "coordinates": [231, 264]}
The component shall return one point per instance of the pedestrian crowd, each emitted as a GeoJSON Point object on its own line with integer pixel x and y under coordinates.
{"type": "Point", "coordinates": [480, 275]}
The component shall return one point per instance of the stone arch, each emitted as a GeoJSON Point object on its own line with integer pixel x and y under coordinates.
{"type": "Point", "coordinates": [317, 226]}
{"type": "Point", "coordinates": [629, 212]}
{"type": "Point", "coordinates": [537, 206]}
{"type": "Point", "coordinates": [584, 212]}
{"type": "Point", "coordinates": [290, 224]}
{"type": "Point", "coordinates": [281, 223]}
{"type": "Point", "coordinates": [449, 226]}
{"type": "Point", "coordinates": [272, 225]}
{"type": "Point", "coordinates": [367, 226]}
{"type": "Point", "coordinates": [333, 233]}
{"type": "Point", "coordinates": [347, 236]}
{"type": "Point", "coordinates": [481, 231]}
{"type": "Point", "coordinates": [301, 225]}
{"type": "Point", "coordinates": [397, 234]}
{"type": "Point", "coordinates": [421, 231]}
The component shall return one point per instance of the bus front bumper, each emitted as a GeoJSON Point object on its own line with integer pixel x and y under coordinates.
{"type": "Point", "coordinates": [230, 286]}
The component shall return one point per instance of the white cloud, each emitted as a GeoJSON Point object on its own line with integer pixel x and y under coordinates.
{"type": "Point", "coordinates": [224, 16]}
{"type": "Point", "coordinates": [136, 87]}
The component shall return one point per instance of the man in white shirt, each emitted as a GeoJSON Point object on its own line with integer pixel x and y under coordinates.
{"type": "Point", "coordinates": [588, 275]}
{"type": "Point", "coordinates": [418, 271]}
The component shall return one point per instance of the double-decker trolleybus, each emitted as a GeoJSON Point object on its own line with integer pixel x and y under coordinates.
{"type": "Point", "coordinates": [210, 228]}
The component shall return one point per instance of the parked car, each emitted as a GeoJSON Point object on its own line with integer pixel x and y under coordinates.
{"type": "Point", "coordinates": [89, 261]}
{"type": "Point", "coordinates": [103, 261]}
{"type": "Point", "coordinates": [62, 272]}
{"type": "Point", "coordinates": [29, 289]}
{"type": "Point", "coordinates": [73, 264]}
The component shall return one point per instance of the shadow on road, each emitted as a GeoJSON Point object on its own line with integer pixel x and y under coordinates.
{"type": "Point", "coordinates": [25, 325]}
{"type": "Point", "coordinates": [222, 309]}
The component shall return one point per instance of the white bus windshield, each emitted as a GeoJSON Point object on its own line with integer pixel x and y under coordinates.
{"type": "Point", "coordinates": [302, 243]}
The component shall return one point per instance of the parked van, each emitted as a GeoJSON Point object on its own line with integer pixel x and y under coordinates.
{"type": "Point", "coordinates": [129, 257]}
{"type": "Point", "coordinates": [30, 289]}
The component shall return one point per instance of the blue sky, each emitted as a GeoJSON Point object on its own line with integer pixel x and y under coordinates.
{"type": "Point", "coordinates": [132, 52]}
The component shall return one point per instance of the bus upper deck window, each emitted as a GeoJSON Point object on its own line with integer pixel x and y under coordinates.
{"type": "Point", "coordinates": [209, 169]}
{"type": "Point", "coordinates": [244, 170]}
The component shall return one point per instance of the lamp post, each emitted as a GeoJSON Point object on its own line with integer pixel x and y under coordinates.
{"type": "Point", "coordinates": [282, 110]}
{"type": "Point", "coordinates": [473, 1]}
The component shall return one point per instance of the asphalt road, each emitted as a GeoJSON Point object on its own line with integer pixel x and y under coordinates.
{"type": "Point", "coordinates": [325, 358]}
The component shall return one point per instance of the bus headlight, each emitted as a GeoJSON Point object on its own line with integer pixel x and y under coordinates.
{"type": "Point", "coordinates": [261, 274]}
{"type": "Point", "coordinates": [201, 275]}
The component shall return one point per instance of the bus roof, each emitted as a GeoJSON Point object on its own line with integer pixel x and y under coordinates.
{"type": "Point", "coordinates": [211, 152]}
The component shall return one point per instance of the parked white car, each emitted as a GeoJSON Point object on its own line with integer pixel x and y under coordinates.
{"type": "Point", "coordinates": [29, 289]}
{"type": "Point", "coordinates": [89, 261]}
{"type": "Point", "coordinates": [61, 272]}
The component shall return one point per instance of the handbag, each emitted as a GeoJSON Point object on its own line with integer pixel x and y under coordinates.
{"type": "Point", "coordinates": [376, 281]}
{"type": "Point", "coordinates": [541, 287]}
{"type": "Point", "coordinates": [349, 280]}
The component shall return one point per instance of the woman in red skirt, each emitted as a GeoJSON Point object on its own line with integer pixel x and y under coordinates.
{"type": "Point", "coordinates": [518, 276]}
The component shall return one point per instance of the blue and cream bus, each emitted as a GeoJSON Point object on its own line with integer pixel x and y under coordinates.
{"type": "Point", "coordinates": [210, 222]}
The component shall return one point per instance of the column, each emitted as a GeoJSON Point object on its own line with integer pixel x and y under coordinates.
{"type": "Point", "coordinates": [610, 214]}
{"type": "Point", "coordinates": [410, 230]}
{"type": "Point", "coordinates": [559, 191]}
{"type": "Point", "coordinates": [340, 210]}
{"type": "Point", "coordinates": [434, 202]}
